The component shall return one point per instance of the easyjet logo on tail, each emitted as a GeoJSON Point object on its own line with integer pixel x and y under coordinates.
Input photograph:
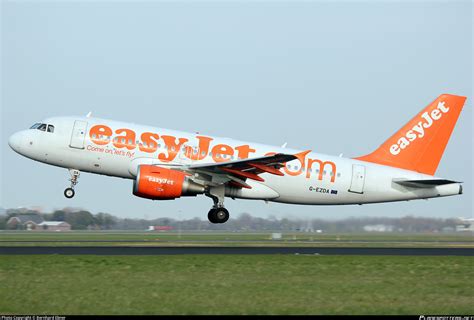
{"type": "Point", "coordinates": [419, 130]}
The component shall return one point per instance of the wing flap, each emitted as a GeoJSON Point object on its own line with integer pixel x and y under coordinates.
{"type": "Point", "coordinates": [237, 172]}
{"type": "Point", "coordinates": [278, 160]}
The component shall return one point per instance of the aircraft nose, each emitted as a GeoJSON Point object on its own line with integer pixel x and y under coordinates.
{"type": "Point", "coordinates": [15, 141]}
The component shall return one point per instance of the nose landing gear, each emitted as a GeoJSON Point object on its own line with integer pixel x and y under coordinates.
{"type": "Point", "coordinates": [69, 192]}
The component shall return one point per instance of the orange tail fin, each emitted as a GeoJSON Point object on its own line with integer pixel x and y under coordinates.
{"type": "Point", "coordinates": [419, 145]}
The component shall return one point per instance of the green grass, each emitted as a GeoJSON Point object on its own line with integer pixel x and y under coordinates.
{"type": "Point", "coordinates": [240, 239]}
{"type": "Point", "coordinates": [236, 285]}
{"type": "Point", "coordinates": [232, 239]}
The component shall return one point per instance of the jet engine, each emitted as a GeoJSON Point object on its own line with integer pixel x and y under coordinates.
{"type": "Point", "coordinates": [157, 183]}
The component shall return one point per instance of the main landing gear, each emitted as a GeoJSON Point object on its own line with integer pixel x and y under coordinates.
{"type": "Point", "coordinates": [69, 192]}
{"type": "Point", "coordinates": [218, 214]}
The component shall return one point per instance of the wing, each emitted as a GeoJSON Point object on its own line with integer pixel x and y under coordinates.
{"type": "Point", "coordinates": [235, 173]}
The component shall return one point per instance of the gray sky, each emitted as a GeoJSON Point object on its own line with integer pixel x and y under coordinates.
{"type": "Point", "coordinates": [332, 77]}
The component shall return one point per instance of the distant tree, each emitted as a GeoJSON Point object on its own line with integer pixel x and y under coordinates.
{"type": "Point", "coordinates": [15, 212]}
{"type": "Point", "coordinates": [59, 215]}
{"type": "Point", "coordinates": [80, 220]}
{"type": "Point", "coordinates": [48, 216]}
{"type": "Point", "coordinates": [105, 220]}
{"type": "Point", "coordinates": [3, 222]}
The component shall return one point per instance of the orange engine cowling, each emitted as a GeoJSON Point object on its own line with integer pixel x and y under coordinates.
{"type": "Point", "coordinates": [159, 183]}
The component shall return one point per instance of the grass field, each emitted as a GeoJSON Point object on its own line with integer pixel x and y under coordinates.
{"type": "Point", "coordinates": [236, 285]}
{"type": "Point", "coordinates": [237, 239]}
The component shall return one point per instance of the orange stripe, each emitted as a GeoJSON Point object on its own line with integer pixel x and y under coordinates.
{"type": "Point", "coordinates": [268, 169]}
{"type": "Point", "coordinates": [243, 174]}
{"type": "Point", "coordinates": [239, 185]}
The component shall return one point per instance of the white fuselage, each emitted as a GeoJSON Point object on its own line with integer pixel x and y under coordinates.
{"type": "Point", "coordinates": [313, 179]}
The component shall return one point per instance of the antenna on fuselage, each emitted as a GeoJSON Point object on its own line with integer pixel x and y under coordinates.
{"type": "Point", "coordinates": [284, 145]}
{"type": "Point", "coordinates": [89, 114]}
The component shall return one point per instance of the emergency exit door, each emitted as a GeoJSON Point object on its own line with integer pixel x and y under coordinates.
{"type": "Point", "coordinates": [358, 179]}
{"type": "Point", "coordinates": [78, 135]}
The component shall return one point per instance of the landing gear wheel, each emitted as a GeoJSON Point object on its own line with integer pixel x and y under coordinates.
{"type": "Point", "coordinates": [218, 215]}
{"type": "Point", "coordinates": [69, 193]}
{"type": "Point", "coordinates": [211, 216]}
{"type": "Point", "coordinates": [222, 215]}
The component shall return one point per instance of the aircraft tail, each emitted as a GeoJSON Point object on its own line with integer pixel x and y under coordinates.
{"type": "Point", "coordinates": [420, 144]}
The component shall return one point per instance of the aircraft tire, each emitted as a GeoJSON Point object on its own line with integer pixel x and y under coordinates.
{"type": "Point", "coordinates": [69, 193]}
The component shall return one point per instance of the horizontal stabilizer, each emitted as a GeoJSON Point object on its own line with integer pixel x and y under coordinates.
{"type": "Point", "coordinates": [424, 183]}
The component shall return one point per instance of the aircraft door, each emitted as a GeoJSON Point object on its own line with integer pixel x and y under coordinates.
{"type": "Point", "coordinates": [358, 179]}
{"type": "Point", "coordinates": [78, 135]}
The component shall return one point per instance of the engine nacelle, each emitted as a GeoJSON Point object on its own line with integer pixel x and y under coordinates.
{"type": "Point", "coordinates": [157, 183]}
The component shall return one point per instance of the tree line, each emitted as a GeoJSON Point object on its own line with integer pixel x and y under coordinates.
{"type": "Point", "coordinates": [85, 220]}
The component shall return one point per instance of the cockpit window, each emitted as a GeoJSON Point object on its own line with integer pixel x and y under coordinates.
{"type": "Point", "coordinates": [43, 127]}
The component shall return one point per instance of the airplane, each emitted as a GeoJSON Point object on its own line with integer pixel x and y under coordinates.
{"type": "Point", "coordinates": [167, 164]}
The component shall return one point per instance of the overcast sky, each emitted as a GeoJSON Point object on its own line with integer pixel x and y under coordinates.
{"type": "Point", "coordinates": [331, 77]}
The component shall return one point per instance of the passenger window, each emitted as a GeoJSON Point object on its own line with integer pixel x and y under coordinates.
{"type": "Point", "coordinates": [51, 128]}
{"type": "Point", "coordinates": [42, 127]}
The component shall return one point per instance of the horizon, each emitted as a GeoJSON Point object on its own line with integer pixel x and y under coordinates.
{"type": "Point", "coordinates": [43, 211]}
